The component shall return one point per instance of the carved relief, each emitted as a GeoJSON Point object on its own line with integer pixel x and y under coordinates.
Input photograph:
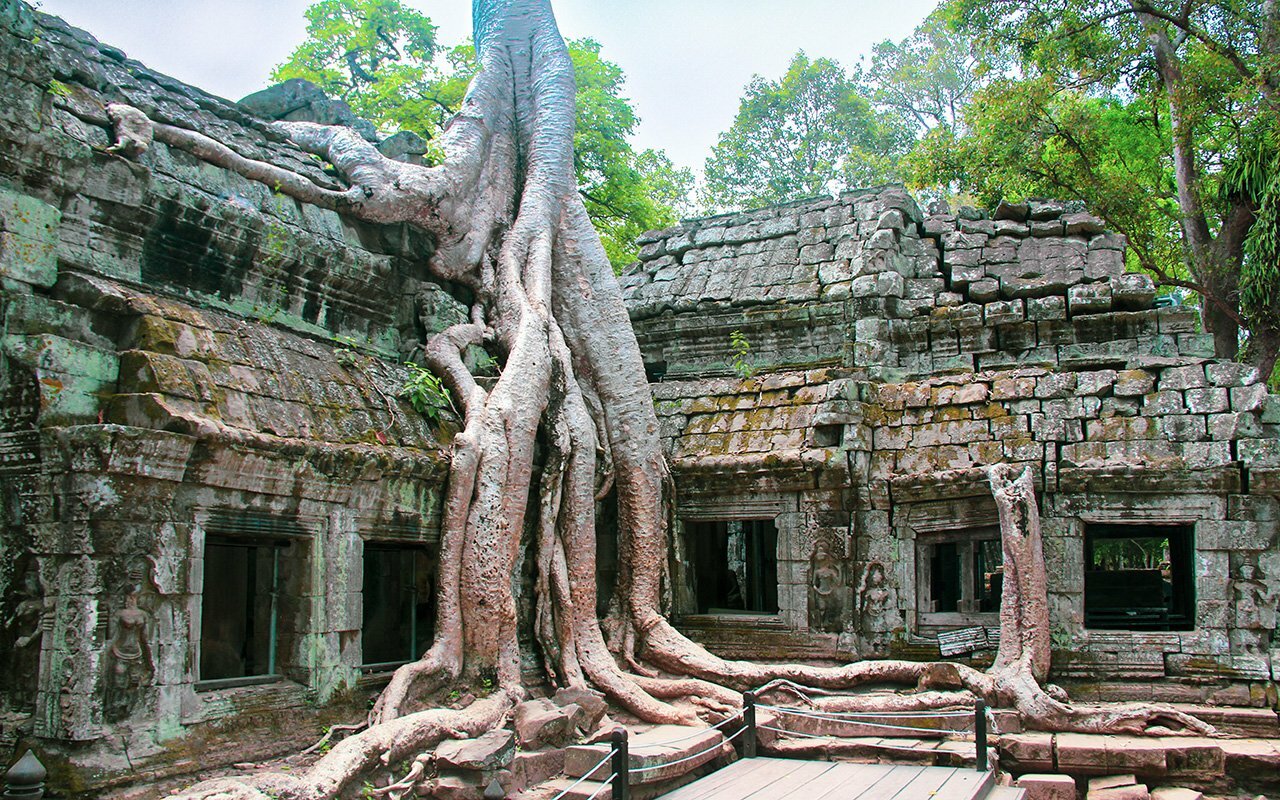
{"type": "Point", "coordinates": [27, 624]}
{"type": "Point", "coordinates": [1255, 609]}
{"type": "Point", "coordinates": [873, 611]}
{"type": "Point", "coordinates": [128, 666]}
{"type": "Point", "coordinates": [826, 588]}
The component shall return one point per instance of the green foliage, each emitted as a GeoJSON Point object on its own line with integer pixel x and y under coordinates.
{"type": "Point", "coordinates": [928, 77]}
{"type": "Point", "coordinates": [383, 58]}
{"type": "Point", "coordinates": [739, 350]}
{"type": "Point", "coordinates": [378, 56]}
{"type": "Point", "coordinates": [1100, 100]}
{"type": "Point", "coordinates": [58, 88]}
{"type": "Point", "coordinates": [425, 392]}
{"type": "Point", "coordinates": [808, 133]}
{"type": "Point", "coordinates": [1255, 174]}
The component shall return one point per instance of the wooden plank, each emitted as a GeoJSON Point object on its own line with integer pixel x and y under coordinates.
{"type": "Point", "coordinates": [761, 770]}
{"type": "Point", "coordinates": [887, 785]}
{"type": "Point", "coordinates": [966, 784]}
{"type": "Point", "coordinates": [847, 780]}
{"type": "Point", "coordinates": [794, 784]}
{"type": "Point", "coordinates": [922, 786]}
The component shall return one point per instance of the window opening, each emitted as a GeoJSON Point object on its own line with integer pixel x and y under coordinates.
{"type": "Point", "coordinates": [239, 618]}
{"type": "Point", "coordinates": [735, 566]}
{"type": "Point", "coordinates": [399, 604]}
{"type": "Point", "coordinates": [960, 574]}
{"type": "Point", "coordinates": [1139, 577]}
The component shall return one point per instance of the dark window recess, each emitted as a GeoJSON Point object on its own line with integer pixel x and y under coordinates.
{"type": "Point", "coordinates": [828, 435]}
{"type": "Point", "coordinates": [735, 566]}
{"type": "Point", "coordinates": [961, 572]}
{"type": "Point", "coordinates": [655, 371]}
{"type": "Point", "coordinates": [1139, 577]}
{"type": "Point", "coordinates": [399, 604]}
{"type": "Point", "coordinates": [240, 610]}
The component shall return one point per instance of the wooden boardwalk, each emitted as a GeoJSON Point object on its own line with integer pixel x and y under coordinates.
{"type": "Point", "coordinates": [794, 779]}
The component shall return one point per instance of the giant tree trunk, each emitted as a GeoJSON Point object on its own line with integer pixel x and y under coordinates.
{"type": "Point", "coordinates": [509, 224]}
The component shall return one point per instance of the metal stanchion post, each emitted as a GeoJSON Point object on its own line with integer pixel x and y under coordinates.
{"type": "Point", "coordinates": [749, 722]}
{"type": "Point", "coordinates": [980, 732]}
{"type": "Point", "coordinates": [621, 766]}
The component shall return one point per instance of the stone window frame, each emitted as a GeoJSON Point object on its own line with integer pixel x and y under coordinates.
{"type": "Point", "coordinates": [422, 535]}
{"type": "Point", "coordinates": [965, 614]}
{"type": "Point", "coordinates": [1193, 510]}
{"type": "Point", "coordinates": [730, 508]}
{"type": "Point", "coordinates": [915, 524]}
{"type": "Point", "coordinates": [299, 540]}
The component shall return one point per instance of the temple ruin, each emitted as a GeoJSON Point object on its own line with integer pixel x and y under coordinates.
{"type": "Point", "coordinates": [201, 383]}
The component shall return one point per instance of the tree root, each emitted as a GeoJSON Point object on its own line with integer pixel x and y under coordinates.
{"type": "Point", "coordinates": [379, 746]}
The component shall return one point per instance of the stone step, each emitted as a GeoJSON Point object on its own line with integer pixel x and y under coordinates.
{"type": "Point", "coordinates": [814, 722]}
{"type": "Point", "coordinates": [730, 636]}
{"type": "Point", "coordinates": [655, 755]}
{"type": "Point", "coordinates": [878, 750]}
{"type": "Point", "coordinates": [1193, 761]}
{"type": "Point", "coordinates": [1006, 793]}
{"type": "Point", "coordinates": [583, 791]}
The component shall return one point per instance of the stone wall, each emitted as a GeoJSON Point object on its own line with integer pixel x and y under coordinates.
{"type": "Point", "coordinates": [895, 356]}
{"type": "Point", "coordinates": [186, 355]}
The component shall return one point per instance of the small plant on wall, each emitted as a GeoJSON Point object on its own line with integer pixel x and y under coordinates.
{"type": "Point", "coordinates": [425, 392]}
{"type": "Point", "coordinates": [739, 350]}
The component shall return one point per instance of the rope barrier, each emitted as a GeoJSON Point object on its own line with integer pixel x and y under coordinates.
{"type": "Point", "coordinates": [607, 784]}
{"type": "Point", "coordinates": [696, 733]}
{"type": "Point", "coordinates": [875, 715]}
{"type": "Point", "coordinates": [716, 746]}
{"type": "Point", "coordinates": [588, 774]}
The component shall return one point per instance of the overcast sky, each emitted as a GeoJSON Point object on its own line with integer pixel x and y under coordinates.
{"type": "Point", "coordinates": [686, 61]}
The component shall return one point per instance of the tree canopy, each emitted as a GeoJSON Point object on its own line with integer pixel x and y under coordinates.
{"type": "Point", "coordinates": [1161, 116]}
{"type": "Point", "coordinates": [809, 132]}
{"type": "Point", "coordinates": [383, 58]}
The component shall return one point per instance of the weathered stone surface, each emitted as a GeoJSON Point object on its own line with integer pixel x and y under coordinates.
{"type": "Point", "coordinates": [491, 751]}
{"type": "Point", "coordinates": [1047, 787]}
{"type": "Point", "coordinates": [541, 723]}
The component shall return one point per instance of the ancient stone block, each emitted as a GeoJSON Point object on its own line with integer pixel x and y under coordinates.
{"type": "Point", "coordinates": [1248, 398]}
{"type": "Point", "coordinates": [1103, 265]}
{"type": "Point", "coordinates": [1097, 383]}
{"type": "Point", "coordinates": [1133, 382]}
{"type": "Point", "coordinates": [1048, 787]}
{"type": "Point", "coordinates": [1161, 403]}
{"type": "Point", "coordinates": [1178, 378]}
{"type": "Point", "coordinates": [1056, 385]}
{"type": "Point", "coordinates": [1209, 400]}
{"type": "Point", "coordinates": [1231, 426]}
{"type": "Point", "coordinates": [493, 750]}
{"type": "Point", "coordinates": [1013, 388]}
{"type": "Point", "coordinates": [1007, 311]}
{"type": "Point", "coordinates": [1132, 291]}
{"type": "Point", "coordinates": [1083, 224]}
{"type": "Point", "coordinates": [1089, 298]}
{"type": "Point", "coordinates": [1231, 373]}
{"type": "Point", "coordinates": [1184, 428]}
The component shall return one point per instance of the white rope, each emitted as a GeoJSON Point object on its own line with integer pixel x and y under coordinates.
{"type": "Point", "coordinates": [640, 770]}
{"type": "Point", "coordinates": [797, 733]}
{"type": "Point", "coordinates": [695, 734]}
{"type": "Point", "coordinates": [874, 715]}
{"type": "Point", "coordinates": [608, 782]}
{"type": "Point", "coordinates": [586, 775]}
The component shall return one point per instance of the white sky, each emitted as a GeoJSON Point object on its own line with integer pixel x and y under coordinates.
{"type": "Point", "coordinates": [686, 61]}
